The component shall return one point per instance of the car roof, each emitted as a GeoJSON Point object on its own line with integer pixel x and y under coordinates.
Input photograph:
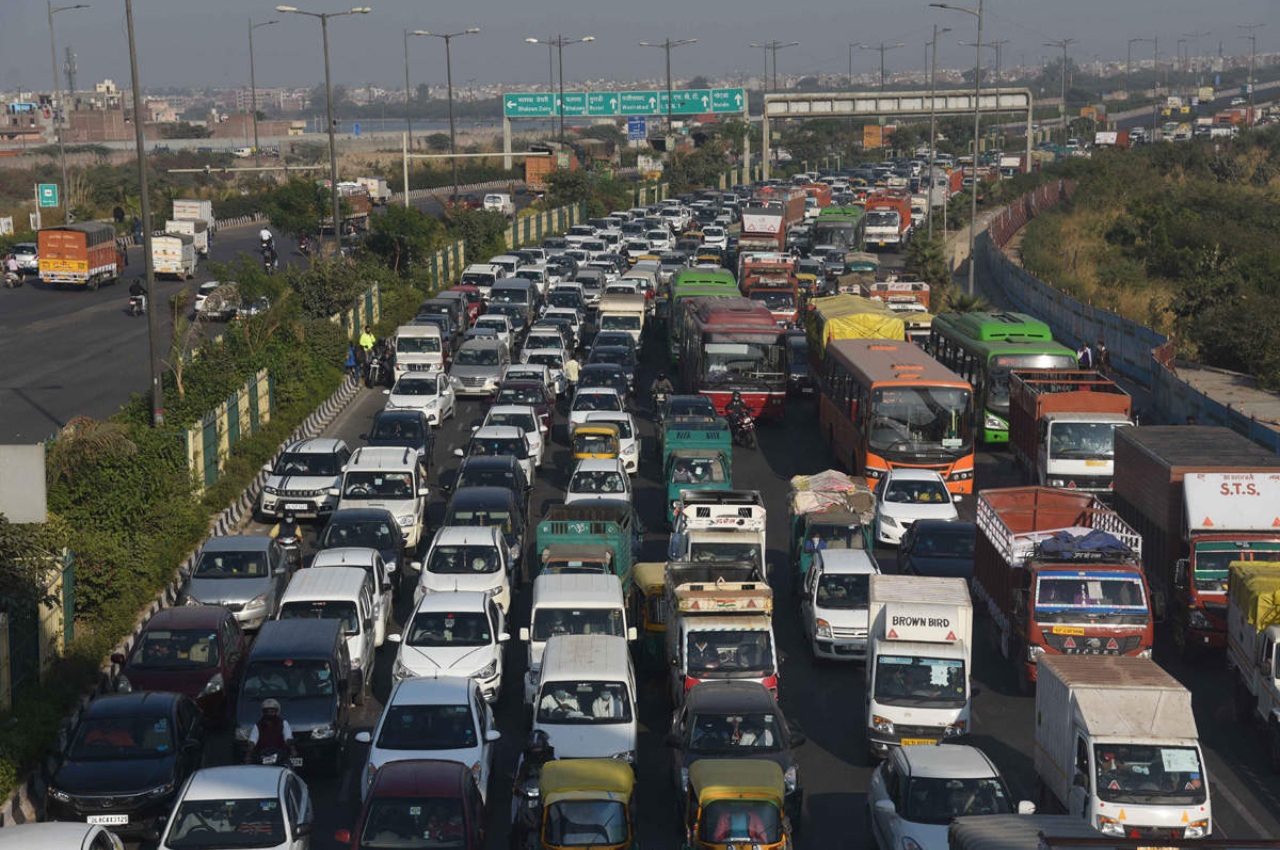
{"type": "Point", "coordinates": [344, 555]}
{"type": "Point", "coordinates": [295, 639]}
{"type": "Point", "coordinates": [598, 390]}
{"type": "Point", "coordinates": [187, 617]}
{"type": "Point", "coordinates": [901, 474]}
{"type": "Point", "coordinates": [848, 562]}
{"type": "Point", "coordinates": [730, 695]}
{"type": "Point", "coordinates": [316, 445]}
{"type": "Point", "coordinates": [526, 409]}
{"type": "Point", "coordinates": [481, 494]}
{"type": "Point", "coordinates": [523, 382]}
{"type": "Point", "coordinates": [574, 657]}
{"type": "Point", "coordinates": [400, 412]}
{"type": "Point", "coordinates": [442, 690]}
{"type": "Point", "coordinates": [383, 457]}
{"type": "Point", "coordinates": [484, 343]}
{"type": "Point", "coordinates": [235, 782]}
{"type": "Point", "coordinates": [237, 543]}
{"type": "Point", "coordinates": [947, 761]}
{"type": "Point", "coordinates": [574, 588]}
{"type": "Point", "coordinates": [465, 535]}
{"type": "Point", "coordinates": [131, 705]}
{"type": "Point", "coordinates": [421, 778]}
{"type": "Point", "coordinates": [505, 462]}
{"type": "Point", "coordinates": [325, 583]}
{"type": "Point", "coordinates": [492, 432]}
{"type": "Point", "coordinates": [363, 515]}
{"type": "Point", "coordinates": [943, 526]}
{"type": "Point", "coordinates": [599, 465]}
{"type": "Point", "coordinates": [453, 600]}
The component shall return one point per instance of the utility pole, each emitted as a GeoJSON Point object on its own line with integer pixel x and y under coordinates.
{"type": "Point", "coordinates": [882, 48]}
{"type": "Point", "coordinates": [933, 122]}
{"type": "Point", "coordinates": [59, 108]}
{"type": "Point", "coordinates": [1253, 53]}
{"type": "Point", "coordinates": [666, 45]}
{"type": "Point", "coordinates": [1191, 52]}
{"type": "Point", "coordinates": [253, 83]}
{"type": "Point", "coordinates": [1062, 110]}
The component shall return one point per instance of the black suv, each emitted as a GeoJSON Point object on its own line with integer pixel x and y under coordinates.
{"type": "Point", "coordinates": [403, 429]}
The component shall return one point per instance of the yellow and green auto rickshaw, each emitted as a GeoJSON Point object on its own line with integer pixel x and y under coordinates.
{"type": "Point", "coordinates": [596, 440]}
{"type": "Point", "coordinates": [587, 803]}
{"type": "Point", "coordinates": [736, 802]}
{"type": "Point", "coordinates": [649, 579]}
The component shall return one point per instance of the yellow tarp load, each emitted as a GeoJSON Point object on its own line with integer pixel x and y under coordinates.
{"type": "Point", "coordinates": [850, 317]}
{"type": "Point", "coordinates": [1254, 587]}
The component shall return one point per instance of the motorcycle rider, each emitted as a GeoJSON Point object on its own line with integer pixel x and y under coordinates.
{"type": "Point", "coordinates": [270, 734]}
{"type": "Point", "coordinates": [661, 385]}
{"type": "Point", "coordinates": [268, 241]}
{"type": "Point", "coordinates": [137, 290]}
{"type": "Point", "coordinates": [287, 527]}
{"type": "Point", "coordinates": [736, 409]}
{"type": "Point", "coordinates": [525, 793]}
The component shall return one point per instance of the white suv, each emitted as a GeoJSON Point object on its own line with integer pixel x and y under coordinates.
{"type": "Point", "coordinates": [300, 480]}
{"type": "Point", "coordinates": [391, 478]}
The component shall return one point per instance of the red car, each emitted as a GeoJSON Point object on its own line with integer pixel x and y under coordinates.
{"type": "Point", "coordinates": [472, 298]}
{"type": "Point", "coordinates": [530, 392]}
{"type": "Point", "coordinates": [419, 799]}
{"type": "Point", "coordinates": [193, 650]}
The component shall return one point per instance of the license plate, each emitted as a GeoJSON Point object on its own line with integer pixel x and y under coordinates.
{"type": "Point", "coordinates": [1095, 463]}
{"type": "Point", "coordinates": [1074, 631]}
{"type": "Point", "coordinates": [296, 762]}
{"type": "Point", "coordinates": [108, 820]}
{"type": "Point", "coordinates": [297, 506]}
{"type": "Point", "coordinates": [913, 742]}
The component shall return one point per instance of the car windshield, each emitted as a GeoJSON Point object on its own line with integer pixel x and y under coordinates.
{"type": "Point", "coordinates": [484, 477]}
{"type": "Point", "coordinates": [449, 628]}
{"type": "Point", "coordinates": [613, 338]}
{"type": "Point", "coordinates": [936, 801]}
{"type": "Point", "coordinates": [944, 543]}
{"type": "Point", "coordinates": [1090, 594]}
{"type": "Point", "coordinates": [524, 421]}
{"type": "Point", "coordinates": [377, 485]}
{"type": "Point", "coordinates": [597, 401]}
{"type": "Point", "coordinates": [729, 653]}
{"type": "Point", "coordinates": [550, 339]}
{"type": "Point", "coordinates": [223, 824]}
{"type": "Point", "coordinates": [999, 367]}
{"type": "Point", "coordinates": [307, 463]}
{"type": "Point", "coordinates": [519, 395]}
{"type": "Point", "coordinates": [533, 275]}
{"type": "Point", "coordinates": [736, 362]}
{"type": "Point", "coordinates": [741, 822]}
{"type": "Point", "coordinates": [1082, 440]}
{"type": "Point", "coordinates": [122, 738]}
{"type": "Point", "coordinates": [232, 565]}
{"type": "Point", "coordinates": [372, 534]}
{"type": "Point", "coordinates": [905, 680]}
{"type": "Point", "coordinates": [416, 386]}
{"type": "Point", "coordinates": [916, 492]}
{"type": "Point", "coordinates": [1149, 774]}
{"type": "Point", "coordinates": [565, 298]}
{"type": "Point", "coordinates": [414, 823]}
{"type": "Point", "coordinates": [917, 422]}
{"type": "Point", "coordinates": [289, 678]}
{"type": "Point", "coordinates": [586, 703]}
{"type": "Point", "coordinates": [463, 560]}
{"type": "Point", "coordinates": [700, 406]}
{"type": "Point", "coordinates": [345, 612]}
{"type": "Point", "coordinates": [576, 621]}
{"type": "Point", "coordinates": [495, 446]}
{"type": "Point", "coordinates": [418, 345]}
{"type": "Point", "coordinates": [427, 727]}
{"type": "Point", "coordinates": [734, 733]}
{"type": "Point", "coordinates": [597, 481]}
{"type": "Point", "coordinates": [397, 428]}
{"type": "Point", "coordinates": [586, 823]}
{"type": "Point", "coordinates": [498, 326]}
{"type": "Point", "coordinates": [476, 357]}
{"type": "Point", "coordinates": [506, 295]}
{"type": "Point", "coordinates": [775, 300]}
{"type": "Point", "coordinates": [185, 649]}
{"type": "Point", "coordinates": [845, 591]}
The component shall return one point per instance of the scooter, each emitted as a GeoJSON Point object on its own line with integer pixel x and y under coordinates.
{"type": "Point", "coordinates": [12, 280]}
{"type": "Point", "coordinates": [270, 758]}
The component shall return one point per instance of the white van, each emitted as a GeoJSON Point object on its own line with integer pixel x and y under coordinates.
{"type": "Point", "coordinates": [834, 602]}
{"type": "Point", "coordinates": [419, 348]}
{"type": "Point", "coordinates": [506, 264]}
{"type": "Point", "coordinates": [482, 276]}
{"type": "Point", "coordinates": [572, 604]}
{"type": "Point", "coordinates": [468, 557]}
{"type": "Point", "coordinates": [586, 700]}
{"type": "Point", "coordinates": [391, 478]}
{"type": "Point", "coordinates": [623, 313]}
{"type": "Point", "coordinates": [337, 593]}
{"type": "Point", "coordinates": [369, 560]}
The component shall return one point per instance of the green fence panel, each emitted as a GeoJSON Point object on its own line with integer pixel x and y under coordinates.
{"type": "Point", "coordinates": [24, 648]}
{"type": "Point", "coordinates": [253, 406]}
{"type": "Point", "coordinates": [68, 596]}
{"type": "Point", "coordinates": [233, 419]}
{"type": "Point", "coordinates": [209, 434]}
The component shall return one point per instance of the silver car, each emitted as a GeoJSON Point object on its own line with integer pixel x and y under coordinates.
{"type": "Point", "coordinates": [246, 574]}
{"type": "Point", "coordinates": [27, 255]}
{"type": "Point", "coordinates": [478, 366]}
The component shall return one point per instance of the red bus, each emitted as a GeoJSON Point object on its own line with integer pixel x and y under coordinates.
{"type": "Point", "coordinates": [886, 404]}
{"type": "Point", "coordinates": [732, 343]}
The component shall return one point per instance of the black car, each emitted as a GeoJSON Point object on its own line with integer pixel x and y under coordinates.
{"type": "Point", "coordinates": [498, 507]}
{"type": "Point", "coordinates": [616, 355]}
{"type": "Point", "coordinates": [622, 339]}
{"type": "Point", "coordinates": [449, 331]}
{"type": "Point", "coordinates": [799, 380]}
{"type": "Point", "coordinates": [370, 528]}
{"type": "Point", "coordinates": [735, 719]}
{"type": "Point", "coordinates": [605, 375]}
{"type": "Point", "coordinates": [407, 429]}
{"type": "Point", "coordinates": [521, 316]}
{"type": "Point", "coordinates": [933, 547]}
{"type": "Point", "coordinates": [494, 471]}
{"type": "Point", "coordinates": [126, 757]}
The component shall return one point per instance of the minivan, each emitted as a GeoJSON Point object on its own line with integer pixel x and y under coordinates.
{"type": "Point", "coordinates": [571, 604]}
{"type": "Point", "coordinates": [391, 478]}
{"type": "Point", "coordinates": [419, 348]}
{"type": "Point", "coordinates": [477, 367]}
{"type": "Point", "coordinates": [344, 594]}
{"type": "Point", "coordinates": [586, 699]}
{"type": "Point", "coordinates": [480, 275]}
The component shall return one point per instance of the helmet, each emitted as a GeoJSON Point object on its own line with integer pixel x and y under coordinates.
{"type": "Point", "coordinates": [662, 376]}
{"type": "Point", "coordinates": [271, 705]}
{"type": "Point", "coordinates": [538, 743]}
{"type": "Point", "coordinates": [289, 517]}
{"type": "Point", "coordinates": [737, 396]}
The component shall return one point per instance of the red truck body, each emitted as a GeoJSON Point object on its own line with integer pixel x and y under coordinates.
{"type": "Point", "coordinates": [83, 254]}
{"type": "Point", "coordinates": [1052, 586]}
{"type": "Point", "coordinates": [763, 229]}
{"type": "Point", "coordinates": [820, 192]}
{"type": "Point", "coordinates": [898, 202]}
{"type": "Point", "coordinates": [1189, 565]}
{"type": "Point", "coordinates": [955, 181]}
{"type": "Point", "coordinates": [772, 281]}
{"type": "Point", "coordinates": [789, 199]}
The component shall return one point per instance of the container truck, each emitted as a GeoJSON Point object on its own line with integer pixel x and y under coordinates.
{"type": "Point", "coordinates": [190, 209]}
{"type": "Point", "coordinates": [719, 525]}
{"type": "Point", "coordinates": [1111, 139]}
{"type": "Point", "coordinates": [1253, 629]}
{"type": "Point", "coordinates": [763, 229]}
{"type": "Point", "coordinates": [1059, 574]}
{"type": "Point", "coordinates": [1032, 831]}
{"type": "Point", "coordinates": [379, 191]}
{"type": "Point", "coordinates": [197, 229]}
{"type": "Point", "coordinates": [174, 255]}
{"type": "Point", "coordinates": [788, 200]}
{"type": "Point", "coordinates": [1200, 496]}
{"type": "Point", "coordinates": [888, 220]}
{"type": "Point", "coordinates": [719, 618]}
{"type": "Point", "coordinates": [919, 658]}
{"type": "Point", "coordinates": [1116, 745]}
{"type": "Point", "coordinates": [833, 507]}
{"type": "Point", "coordinates": [83, 254]}
{"type": "Point", "coordinates": [1062, 426]}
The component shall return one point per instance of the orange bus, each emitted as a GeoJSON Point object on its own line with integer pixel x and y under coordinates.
{"type": "Point", "coordinates": [886, 404]}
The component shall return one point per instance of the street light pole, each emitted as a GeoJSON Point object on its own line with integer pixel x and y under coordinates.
{"type": "Point", "coordinates": [933, 123]}
{"type": "Point", "coordinates": [253, 82]}
{"type": "Point", "coordinates": [666, 45]}
{"type": "Point", "coordinates": [1191, 50]}
{"type": "Point", "coordinates": [408, 101]}
{"type": "Point", "coordinates": [448, 69]}
{"type": "Point", "coordinates": [559, 43]}
{"type": "Point", "coordinates": [1062, 109]}
{"type": "Point", "coordinates": [59, 107]}
{"type": "Point", "coordinates": [328, 96]}
{"type": "Point", "coordinates": [764, 79]}
{"type": "Point", "coordinates": [1253, 53]}
{"type": "Point", "coordinates": [882, 48]}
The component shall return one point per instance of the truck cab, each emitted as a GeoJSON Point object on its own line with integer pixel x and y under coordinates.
{"type": "Point", "coordinates": [720, 525]}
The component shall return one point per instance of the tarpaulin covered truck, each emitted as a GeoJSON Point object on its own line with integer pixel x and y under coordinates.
{"type": "Point", "coordinates": [83, 254]}
{"type": "Point", "coordinates": [1201, 496]}
{"type": "Point", "coordinates": [847, 317]}
{"type": "Point", "coordinates": [1059, 574]}
{"type": "Point", "coordinates": [832, 507]}
{"type": "Point", "coordinates": [1253, 630]}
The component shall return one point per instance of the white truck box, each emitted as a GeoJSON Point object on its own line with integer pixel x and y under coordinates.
{"type": "Point", "coordinates": [174, 255]}
{"type": "Point", "coordinates": [379, 191]}
{"type": "Point", "coordinates": [194, 210]}
{"type": "Point", "coordinates": [197, 229]}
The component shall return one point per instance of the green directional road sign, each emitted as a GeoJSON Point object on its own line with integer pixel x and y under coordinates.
{"type": "Point", "coordinates": [528, 105]}
{"type": "Point", "coordinates": [638, 102]}
{"type": "Point", "coordinates": [48, 194]}
{"type": "Point", "coordinates": [575, 103]}
{"type": "Point", "coordinates": [728, 100]}
{"type": "Point", "coordinates": [602, 103]}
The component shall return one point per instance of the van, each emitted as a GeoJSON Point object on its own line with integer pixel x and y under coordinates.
{"type": "Point", "coordinates": [455, 309]}
{"type": "Point", "coordinates": [499, 202]}
{"type": "Point", "coordinates": [571, 604]}
{"type": "Point", "coordinates": [390, 478]}
{"type": "Point", "coordinates": [586, 700]}
{"type": "Point", "coordinates": [381, 574]}
{"type": "Point", "coordinates": [506, 264]}
{"type": "Point", "coordinates": [419, 348]}
{"type": "Point", "coordinates": [623, 313]}
{"type": "Point", "coordinates": [305, 665]}
{"type": "Point", "coordinates": [536, 274]}
{"type": "Point", "coordinates": [480, 275]}
{"type": "Point", "coordinates": [514, 290]}
{"type": "Point", "coordinates": [344, 594]}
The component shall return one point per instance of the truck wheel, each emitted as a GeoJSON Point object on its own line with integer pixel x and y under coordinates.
{"type": "Point", "coordinates": [91, 284]}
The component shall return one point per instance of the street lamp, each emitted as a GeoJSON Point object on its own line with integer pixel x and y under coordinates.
{"type": "Point", "coordinates": [1128, 66]}
{"type": "Point", "coordinates": [882, 48]}
{"type": "Point", "coordinates": [551, 60]}
{"type": "Point", "coordinates": [1253, 52]}
{"type": "Point", "coordinates": [559, 43]}
{"type": "Point", "coordinates": [667, 45]}
{"type": "Point", "coordinates": [1191, 49]}
{"type": "Point", "coordinates": [253, 82]}
{"type": "Point", "coordinates": [448, 66]}
{"type": "Point", "coordinates": [328, 97]}
{"type": "Point", "coordinates": [933, 122]}
{"type": "Point", "coordinates": [977, 117]}
{"type": "Point", "coordinates": [773, 47]}
{"type": "Point", "coordinates": [1063, 44]}
{"type": "Point", "coordinates": [57, 110]}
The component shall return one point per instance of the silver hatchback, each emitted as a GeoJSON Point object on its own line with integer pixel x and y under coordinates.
{"type": "Point", "coordinates": [245, 573]}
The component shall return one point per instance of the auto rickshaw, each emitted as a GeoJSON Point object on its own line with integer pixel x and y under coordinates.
{"type": "Point", "coordinates": [649, 579]}
{"type": "Point", "coordinates": [736, 802]}
{"type": "Point", "coordinates": [596, 440]}
{"type": "Point", "coordinates": [861, 262]}
{"type": "Point", "coordinates": [587, 803]}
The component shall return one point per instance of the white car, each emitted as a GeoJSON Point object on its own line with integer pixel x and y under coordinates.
{"type": "Point", "coordinates": [543, 364]}
{"type": "Point", "coordinates": [904, 496]}
{"type": "Point", "coordinates": [430, 392]}
{"type": "Point", "coordinates": [454, 633]}
{"type": "Point", "coordinates": [590, 399]}
{"type": "Point", "coordinates": [715, 237]}
{"type": "Point", "coordinates": [659, 240]}
{"type": "Point", "coordinates": [598, 479]}
{"type": "Point", "coordinates": [498, 323]}
{"type": "Point", "coordinates": [834, 601]}
{"type": "Point", "coordinates": [628, 436]}
{"type": "Point", "coordinates": [917, 790]}
{"type": "Point", "coordinates": [525, 418]}
{"type": "Point", "coordinates": [468, 557]}
{"type": "Point", "coordinates": [369, 560]}
{"type": "Point", "coordinates": [220, 806]}
{"type": "Point", "coordinates": [300, 479]}
{"type": "Point", "coordinates": [503, 440]}
{"type": "Point", "coordinates": [444, 718]}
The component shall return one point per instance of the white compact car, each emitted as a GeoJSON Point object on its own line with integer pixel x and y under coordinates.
{"type": "Point", "coordinates": [430, 392]}
{"type": "Point", "coordinates": [590, 399]}
{"type": "Point", "coordinates": [467, 558]}
{"type": "Point", "coordinates": [905, 496]}
{"type": "Point", "coordinates": [454, 633]}
{"type": "Point", "coordinates": [219, 806]}
{"type": "Point", "coordinates": [834, 601]}
{"type": "Point", "coordinates": [628, 436]}
{"type": "Point", "coordinates": [598, 479]}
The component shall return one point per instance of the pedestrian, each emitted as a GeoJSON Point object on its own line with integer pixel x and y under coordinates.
{"type": "Point", "coordinates": [1084, 356]}
{"type": "Point", "coordinates": [571, 372]}
{"type": "Point", "coordinates": [1103, 356]}
{"type": "Point", "coordinates": [351, 364]}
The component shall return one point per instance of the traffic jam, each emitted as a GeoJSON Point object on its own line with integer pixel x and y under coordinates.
{"type": "Point", "coordinates": [624, 505]}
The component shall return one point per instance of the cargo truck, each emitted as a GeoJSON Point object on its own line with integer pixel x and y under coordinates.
{"type": "Point", "coordinates": [1062, 426]}
{"type": "Point", "coordinates": [611, 530]}
{"type": "Point", "coordinates": [895, 292]}
{"type": "Point", "coordinates": [847, 317]}
{"type": "Point", "coordinates": [379, 191]}
{"type": "Point", "coordinates": [189, 209]}
{"type": "Point", "coordinates": [720, 525]}
{"type": "Point", "coordinates": [771, 280]}
{"type": "Point", "coordinates": [1031, 831]}
{"type": "Point", "coordinates": [888, 220]}
{"type": "Point", "coordinates": [695, 456]}
{"type": "Point", "coordinates": [1201, 496]}
{"type": "Point", "coordinates": [719, 625]}
{"type": "Point", "coordinates": [829, 510]}
{"type": "Point", "coordinates": [1118, 139]}
{"type": "Point", "coordinates": [1117, 746]}
{"type": "Point", "coordinates": [173, 255]}
{"type": "Point", "coordinates": [787, 200]}
{"type": "Point", "coordinates": [1059, 574]}
{"type": "Point", "coordinates": [83, 254]}
{"type": "Point", "coordinates": [763, 229]}
{"type": "Point", "coordinates": [197, 229]}
{"type": "Point", "coordinates": [919, 660]}
{"type": "Point", "coordinates": [1253, 629]}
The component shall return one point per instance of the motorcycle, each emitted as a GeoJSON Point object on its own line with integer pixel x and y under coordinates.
{"type": "Point", "coordinates": [659, 399]}
{"type": "Point", "coordinates": [742, 427]}
{"type": "Point", "coordinates": [269, 261]}
{"type": "Point", "coordinates": [271, 758]}
{"type": "Point", "coordinates": [291, 544]}
{"type": "Point", "coordinates": [12, 280]}
{"type": "Point", "coordinates": [137, 305]}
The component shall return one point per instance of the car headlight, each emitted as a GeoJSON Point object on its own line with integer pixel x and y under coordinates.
{"type": "Point", "coordinates": [994, 423]}
{"type": "Point", "coordinates": [1110, 826]}
{"type": "Point", "coordinates": [270, 491]}
{"type": "Point", "coordinates": [58, 794]}
{"type": "Point", "coordinates": [406, 521]}
{"type": "Point", "coordinates": [257, 601]}
{"type": "Point", "coordinates": [882, 724]}
{"type": "Point", "coordinates": [322, 733]}
{"type": "Point", "coordinates": [489, 670]}
{"type": "Point", "coordinates": [629, 449]}
{"type": "Point", "coordinates": [400, 671]}
{"type": "Point", "coordinates": [822, 629]}
{"type": "Point", "coordinates": [790, 779]}
{"type": "Point", "coordinates": [160, 790]}
{"type": "Point", "coordinates": [1197, 829]}
{"type": "Point", "coordinates": [1034, 651]}
{"type": "Point", "coordinates": [1198, 620]}
{"type": "Point", "coordinates": [955, 730]}
{"type": "Point", "coordinates": [243, 732]}
{"type": "Point", "coordinates": [888, 520]}
{"type": "Point", "coordinates": [213, 686]}
{"type": "Point", "coordinates": [123, 685]}
{"type": "Point", "coordinates": [873, 473]}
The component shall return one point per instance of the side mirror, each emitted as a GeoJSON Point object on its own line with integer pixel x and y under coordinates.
{"type": "Point", "coordinates": [1081, 781]}
{"type": "Point", "coordinates": [524, 635]}
{"type": "Point", "coordinates": [956, 498]}
{"type": "Point", "coordinates": [279, 571]}
{"type": "Point", "coordinates": [416, 566]}
{"type": "Point", "coordinates": [117, 658]}
{"type": "Point", "coordinates": [504, 637]}
{"type": "Point", "coordinates": [395, 638]}
{"type": "Point", "coordinates": [303, 829]}
{"type": "Point", "coordinates": [459, 453]}
{"type": "Point", "coordinates": [492, 735]}
{"type": "Point", "coordinates": [1026, 807]}
{"type": "Point", "coordinates": [364, 737]}
{"type": "Point", "coordinates": [266, 467]}
{"type": "Point", "coordinates": [673, 740]}
{"type": "Point", "coordinates": [364, 436]}
{"type": "Point", "coordinates": [1158, 608]}
{"type": "Point", "coordinates": [335, 491]}
{"type": "Point", "coordinates": [424, 492]}
{"type": "Point", "coordinates": [386, 392]}
{"type": "Point", "coordinates": [885, 807]}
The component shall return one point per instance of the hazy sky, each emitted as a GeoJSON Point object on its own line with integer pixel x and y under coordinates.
{"type": "Point", "coordinates": [204, 42]}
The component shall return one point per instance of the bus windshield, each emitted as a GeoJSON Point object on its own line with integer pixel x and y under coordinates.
{"type": "Point", "coordinates": [914, 423]}
{"type": "Point", "coordinates": [1001, 365]}
{"type": "Point", "coordinates": [740, 363]}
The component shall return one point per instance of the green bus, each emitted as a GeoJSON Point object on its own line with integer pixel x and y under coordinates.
{"type": "Point", "coordinates": [984, 348]}
{"type": "Point", "coordinates": [692, 283]}
{"type": "Point", "coordinates": [844, 227]}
